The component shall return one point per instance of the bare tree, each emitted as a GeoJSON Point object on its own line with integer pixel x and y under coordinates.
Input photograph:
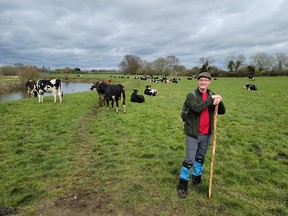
{"type": "Point", "coordinates": [131, 64]}
{"type": "Point", "coordinates": [206, 63]}
{"type": "Point", "coordinates": [262, 61]}
{"type": "Point", "coordinates": [147, 68]}
{"type": "Point", "coordinates": [160, 65]}
{"type": "Point", "coordinates": [172, 62]}
{"type": "Point", "coordinates": [281, 60]}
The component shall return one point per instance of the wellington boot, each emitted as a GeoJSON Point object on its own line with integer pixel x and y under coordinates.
{"type": "Point", "coordinates": [196, 180]}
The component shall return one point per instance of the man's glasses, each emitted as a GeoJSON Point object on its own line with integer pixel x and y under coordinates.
{"type": "Point", "coordinates": [203, 80]}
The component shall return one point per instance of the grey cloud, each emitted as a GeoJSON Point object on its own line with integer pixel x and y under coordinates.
{"type": "Point", "coordinates": [98, 34]}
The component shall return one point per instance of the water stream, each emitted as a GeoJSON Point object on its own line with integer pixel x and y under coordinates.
{"type": "Point", "coordinates": [68, 88]}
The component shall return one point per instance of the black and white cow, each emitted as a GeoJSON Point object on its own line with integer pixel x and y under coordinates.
{"type": "Point", "coordinates": [31, 88]}
{"type": "Point", "coordinates": [110, 92]}
{"type": "Point", "coordinates": [100, 88]}
{"type": "Point", "coordinates": [250, 87]}
{"type": "Point", "coordinates": [114, 93]}
{"type": "Point", "coordinates": [150, 91]}
{"type": "Point", "coordinates": [137, 98]}
{"type": "Point", "coordinates": [251, 77]}
{"type": "Point", "coordinates": [50, 86]}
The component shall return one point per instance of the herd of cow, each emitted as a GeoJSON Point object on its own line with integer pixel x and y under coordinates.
{"type": "Point", "coordinates": [106, 91]}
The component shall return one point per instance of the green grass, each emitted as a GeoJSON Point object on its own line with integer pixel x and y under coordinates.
{"type": "Point", "coordinates": [78, 158]}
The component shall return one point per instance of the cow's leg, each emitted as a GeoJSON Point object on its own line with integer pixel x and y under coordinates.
{"type": "Point", "coordinates": [40, 96]}
{"type": "Point", "coordinates": [117, 105]}
{"type": "Point", "coordinates": [100, 98]}
{"type": "Point", "coordinates": [107, 103]}
{"type": "Point", "coordinates": [55, 97]}
{"type": "Point", "coordinates": [112, 102]}
{"type": "Point", "coordinates": [123, 102]}
{"type": "Point", "coordinates": [60, 95]}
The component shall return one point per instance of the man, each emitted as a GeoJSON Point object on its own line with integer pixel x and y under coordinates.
{"type": "Point", "coordinates": [198, 128]}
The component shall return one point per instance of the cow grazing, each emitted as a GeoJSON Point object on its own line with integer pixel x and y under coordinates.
{"type": "Point", "coordinates": [114, 93]}
{"type": "Point", "coordinates": [149, 91]}
{"type": "Point", "coordinates": [137, 98]}
{"type": "Point", "coordinates": [31, 88]}
{"type": "Point", "coordinates": [50, 86]}
{"type": "Point", "coordinates": [250, 87]}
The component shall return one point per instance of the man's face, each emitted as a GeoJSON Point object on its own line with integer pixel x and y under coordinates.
{"type": "Point", "coordinates": [203, 83]}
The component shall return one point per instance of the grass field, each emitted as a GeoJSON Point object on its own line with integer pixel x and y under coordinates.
{"type": "Point", "coordinates": [77, 158]}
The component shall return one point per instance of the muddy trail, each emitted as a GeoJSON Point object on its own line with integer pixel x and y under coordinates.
{"type": "Point", "coordinates": [86, 197]}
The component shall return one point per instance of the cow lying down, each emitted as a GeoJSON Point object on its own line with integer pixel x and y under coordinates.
{"type": "Point", "coordinates": [150, 91]}
{"type": "Point", "coordinates": [137, 98]}
{"type": "Point", "coordinates": [250, 87]}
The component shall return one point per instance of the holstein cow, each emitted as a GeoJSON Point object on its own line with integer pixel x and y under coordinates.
{"type": "Point", "coordinates": [137, 98]}
{"type": "Point", "coordinates": [31, 88]}
{"type": "Point", "coordinates": [251, 77]}
{"type": "Point", "coordinates": [100, 88]}
{"type": "Point", "coordinates": [149, 91]}
{"type": "Point", "coordinates": [114, 93]}
{"type": "Point", "coordinates": [250, 87]}
{"type": "Point", "coordinates": [49, 86]}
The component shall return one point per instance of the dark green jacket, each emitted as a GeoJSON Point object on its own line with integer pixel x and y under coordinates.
{"type": "Point", "coordinates": [196, 106]}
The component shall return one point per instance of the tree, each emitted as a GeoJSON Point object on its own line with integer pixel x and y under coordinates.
{"type": "Point", "coordinates": [234, 63]}
{"type": "Point", "coordinates": [29, 73]}
{"type": "Point", "coordinates": [251, 70]}
{"type": "Point", "coordinates": [160, 66]}
{"type": "Point", "coordinates": [206, 62]}
{"type": "Point", "coordinates": [261, 61]}
{"type": "Point", "coordinates": [147, 68]}
{"type": "Point", "coordinates": [77, 69]}
{"type": "Point", "coordinates": [172, 62]}
{"type": "Point", "coordinates": [281, 60]}
{"type": "Point", "coordinates": [131, 64]}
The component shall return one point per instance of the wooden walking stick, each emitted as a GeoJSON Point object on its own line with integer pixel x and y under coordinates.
{"type": "Point", "coordinates": [213, 151]}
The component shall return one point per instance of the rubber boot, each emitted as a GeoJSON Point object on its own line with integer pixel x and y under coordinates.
{"type": "Point", "coordinates": [196, 180]}
{"type": "Point", "coordinates": [183, 185]}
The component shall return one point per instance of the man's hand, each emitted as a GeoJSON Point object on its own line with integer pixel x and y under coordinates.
{"type": "Point", "coordinates": [217, 99]}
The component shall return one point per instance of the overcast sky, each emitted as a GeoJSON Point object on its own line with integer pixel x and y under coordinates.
{"type": "Point", "coordinates": [97, 34]}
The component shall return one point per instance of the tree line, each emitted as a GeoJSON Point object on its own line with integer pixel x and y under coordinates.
{"type": "Point", "coordinates": [260, 64]}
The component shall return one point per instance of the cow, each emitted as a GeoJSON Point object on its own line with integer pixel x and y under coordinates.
{"type": "Point", "coordinates": [251, 77]}
{"type": "Point", "coordinates": [100, 88]}
{"type": "Point", "coordinates": [250, 87]}
{"type": "Point", "coordinates": [149, 91]}
{"type": "Point", "coordinates": [114, 92]}
{"type": "Point", "coordinates": [31, 88]}
{"type": "Point", "coordinates": [137, 98]}
{"type": "Point", "coordinates": [49, 86]}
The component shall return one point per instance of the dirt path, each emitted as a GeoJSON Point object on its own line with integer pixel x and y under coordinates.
{"type": "Point", "coordinates": [85, 198]}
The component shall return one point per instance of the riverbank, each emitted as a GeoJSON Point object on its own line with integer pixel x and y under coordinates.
{"type": "Point", "coordinates": [8, 86]}
{"type": "Point", "coordinates": [13, 83]}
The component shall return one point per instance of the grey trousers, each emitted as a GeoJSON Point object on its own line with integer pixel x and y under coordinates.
{"type": "Point", "coordinates": [196, 148]}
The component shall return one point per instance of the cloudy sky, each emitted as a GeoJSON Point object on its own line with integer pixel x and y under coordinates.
{"type": "Point", "coordinates": [97, 34]}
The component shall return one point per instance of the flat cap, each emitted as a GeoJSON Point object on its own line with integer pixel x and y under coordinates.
{"type": "Point", "coordinates": [204, 74]}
